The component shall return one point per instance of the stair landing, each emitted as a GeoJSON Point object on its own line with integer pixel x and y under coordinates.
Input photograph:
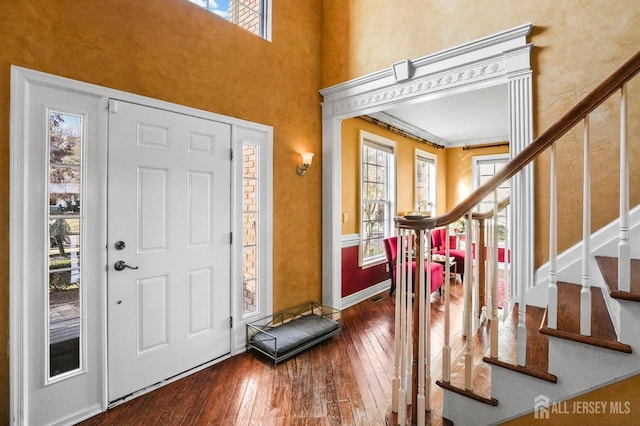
{"type": "Point", "coordinates": [609, 269]}
{"type": "Point", "coordinates": [602, 331]}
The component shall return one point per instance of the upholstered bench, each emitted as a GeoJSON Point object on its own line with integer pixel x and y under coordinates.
{"type": "Point", "coordinates": [289, 332]}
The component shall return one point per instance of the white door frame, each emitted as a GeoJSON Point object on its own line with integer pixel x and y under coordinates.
{"type": "Point", "coordinates": [502, 58]}
{"type": "Point", "coordinates": [241, 131]}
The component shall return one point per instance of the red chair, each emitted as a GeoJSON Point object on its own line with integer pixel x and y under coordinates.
{"type": "Point", "coordinates": [438, 241]}
{"type": "Point", "coordinates": [437, 270]}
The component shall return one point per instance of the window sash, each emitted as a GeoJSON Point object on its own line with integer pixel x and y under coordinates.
{"type": "Point", "coordinates": [377, 184]}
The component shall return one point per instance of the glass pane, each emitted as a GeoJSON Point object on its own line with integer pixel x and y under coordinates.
{"type": "Point", "coordinates": [249, 292]}
{"type": "Point", "coordinates": [64, 190]}
{"type": "Point", "coordinates": [249, 262]}
{"type": "Point", "coordinates": [64, 243]}
{"type": "Point", "coordinates": [63, 286]}
{"type": "Point", "coordinates": [249, 229]}
{"type": "Point", "coordinates": [65, 133]}
{"type": "Point", "coordinates": [248, 19]}
{"type": "Point", "coordinates": [250, 163]}
{"type": "Point", "coordinates": [64, 322]}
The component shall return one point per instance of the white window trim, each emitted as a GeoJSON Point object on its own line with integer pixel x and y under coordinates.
{"type": "Point", "coordinates": [477, 159]}
{"type": "Point", "coordinates": [384, 142]}
{"type": "Point", "coordinates": [424, 154]}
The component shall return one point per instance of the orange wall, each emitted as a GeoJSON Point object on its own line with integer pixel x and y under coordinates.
{"type": "Point", "coordinates": [459, 169]}
{"type": "Point", "coordinates": [178, 52]}
{"type": "Point", "coordinates": [577, 45]}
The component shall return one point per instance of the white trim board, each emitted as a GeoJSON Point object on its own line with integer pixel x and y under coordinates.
{"type": "Point", "coordinates": [604, 242]}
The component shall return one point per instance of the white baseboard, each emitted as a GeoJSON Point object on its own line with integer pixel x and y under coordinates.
{"type": "Point", "coordinates": [604, 242]}
{"type": "Point", "coordinates": [366, 293]}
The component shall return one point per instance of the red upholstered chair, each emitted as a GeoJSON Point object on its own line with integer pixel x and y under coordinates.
{"type": "Point", "coordinates": [438, 246]}
{"type": "Point", "coordinates": [390, 250]}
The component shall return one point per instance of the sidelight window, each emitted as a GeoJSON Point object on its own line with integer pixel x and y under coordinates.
{"type": "Point", "coordinates": [64, 289]}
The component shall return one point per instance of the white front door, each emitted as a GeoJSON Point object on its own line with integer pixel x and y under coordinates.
{"type": "Point", "coordinates": [168, 248]}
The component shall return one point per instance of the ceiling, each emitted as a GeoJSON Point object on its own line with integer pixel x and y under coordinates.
{"type": "Point", "coordinates": [474, 117]}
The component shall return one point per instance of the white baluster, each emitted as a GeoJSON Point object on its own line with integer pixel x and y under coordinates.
{"type": "Point", "coordinates": [401, 287]}
{"type": "Point", "coordinates": [446, 349]}
{"type": "Point", "coordinates": [624, 249]}
{"type": "Point", "coordinates": [493, 279]}
{"type": "Point", "coordinates": [395, 384]}
{"type": "Point", "coordinates": [585, 292]}
{"type": "Point", "coordinates": [421, 295]}
{"type": "Point", "coordinates": [552, 310]}
{"type": "Point", "coordinates": [468, 326]}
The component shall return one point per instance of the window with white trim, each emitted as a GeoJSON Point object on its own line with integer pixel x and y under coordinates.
{"type": "Point", "coordinates": [252, 15]}
{"type": "Point", "coordinates": [484, 168]}
{"type": "Point", "coordinates": [377, 190]}
{"type": "Point", "coordinates": [425, 180]}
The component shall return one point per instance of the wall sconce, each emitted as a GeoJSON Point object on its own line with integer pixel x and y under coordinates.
{"type": "Point", "coordinates": [306, 162]}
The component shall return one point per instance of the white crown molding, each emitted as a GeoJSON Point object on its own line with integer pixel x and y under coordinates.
{"type": "Point", "coordinates": [407, 127]}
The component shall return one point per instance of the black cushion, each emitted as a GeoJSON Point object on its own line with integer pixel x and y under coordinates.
{"type": "Point", "coordinates": [293, 334]}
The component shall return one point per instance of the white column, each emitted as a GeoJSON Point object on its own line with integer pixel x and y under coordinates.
{"type": "Point", "coordinates": [522, 185]}
{"type": "Point", "coordinates": [585, 292]}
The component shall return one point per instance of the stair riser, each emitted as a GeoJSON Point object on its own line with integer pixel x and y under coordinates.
{"type": "Point", "coordinates": [581, 367]}
{"type": "Point", "coordinates": [629, 320]}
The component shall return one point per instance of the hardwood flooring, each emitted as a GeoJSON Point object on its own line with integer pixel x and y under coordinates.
{"type": "Point", "coordinates": [345, 380]}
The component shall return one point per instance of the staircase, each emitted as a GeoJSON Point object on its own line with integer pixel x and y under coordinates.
{"type": "Point", "coordinates": [581, 334]}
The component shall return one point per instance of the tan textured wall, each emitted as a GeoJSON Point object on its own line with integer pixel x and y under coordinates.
{"type": "Point", "coordinates": [614, 405]}
{"type": "Point", "coordinates": [577, 45]}
{"type": "Point", "coordinates": [176, 51]}
{"type": "Point", "coordinates": [405, 171]}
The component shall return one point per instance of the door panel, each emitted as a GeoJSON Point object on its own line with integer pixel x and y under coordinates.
{"type": "Point", "coordinates": [169, 193]}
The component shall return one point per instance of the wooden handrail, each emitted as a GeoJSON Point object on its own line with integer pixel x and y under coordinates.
{"type": "Point", "coordinates": [489, 213]}
{"type": "Point", "coordinates": [589, 103]}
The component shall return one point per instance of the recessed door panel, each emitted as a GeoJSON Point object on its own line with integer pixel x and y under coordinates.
{"type": "Point", "coordinates": [166, 312]}
{"type": "Point", "coordinates": [153, 313]}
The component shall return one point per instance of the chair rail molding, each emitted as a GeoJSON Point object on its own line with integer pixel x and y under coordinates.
{"type": "Point", "coordinates": [501, 58]}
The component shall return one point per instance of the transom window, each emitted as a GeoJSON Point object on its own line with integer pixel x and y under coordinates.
{"type": "Point", "coordinates": [252, 15]}
{"type": "Point", "coordinates": [377, 191]}
{"type": "Point", "coordinates": [425, 194]}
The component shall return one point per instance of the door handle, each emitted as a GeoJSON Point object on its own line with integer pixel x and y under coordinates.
{"type": "Point", "coordinates": [120, 266]}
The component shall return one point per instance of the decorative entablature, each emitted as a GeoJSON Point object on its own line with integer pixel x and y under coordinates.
{"type": "Point", "coordinates": [491, 60]}
{"type": "Point", "coordinates": [419, 87]}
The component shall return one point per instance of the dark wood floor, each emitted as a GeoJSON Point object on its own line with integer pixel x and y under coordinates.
{"type": "Point", "coordinates": [343, 381]}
